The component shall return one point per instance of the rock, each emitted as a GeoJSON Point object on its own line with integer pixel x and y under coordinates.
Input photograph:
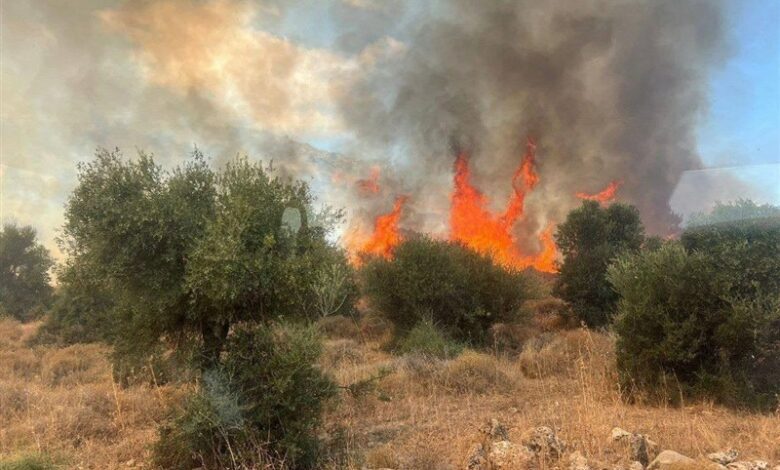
{"type": "Point", "coordinates": [543, 440]}
{"type": "Point", "coordinates": [619, 434]}
{"type": "Point", "coordinates": [639, 449]}
{"type": "Point", "coordinates": [505, 455]}
{"type": "Point", "coordinates": [667, 459]}
{"type": "Point", "coordinates": [577, 461]}
{"type": "Point", "coordinates": [496, 431]}
{"type": "Point", "coordinates": [636, 466]}
{"type": "Point", "coordinates": [724, 458]}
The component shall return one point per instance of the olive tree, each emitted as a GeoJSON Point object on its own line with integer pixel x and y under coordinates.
{"type": "Point", "coordinates": [24, 272]}
{"type": "Point", "coordinates": [188, 253]}
{"type": "Point", "coordinates": [589, 239]}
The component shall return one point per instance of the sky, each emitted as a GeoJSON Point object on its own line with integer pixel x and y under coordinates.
{"type": "Point", "coordinates": [294, 80]}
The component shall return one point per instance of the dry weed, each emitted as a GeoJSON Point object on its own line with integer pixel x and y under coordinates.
{"type": "Point", "coordinates": [426, 414]}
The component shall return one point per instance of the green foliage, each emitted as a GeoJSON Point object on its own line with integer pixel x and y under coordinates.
{"type": "Point", "coordinates": [183, 255]}
{"type": "Point", "coordinates": [744, 253]}
{"type": "Point", "coordinates": [458, 289]}
{"type": "Point", "coordinates": [264, 400]}
{"type": "Point", "coordinates": [678, 319]}
{"type": "Point", "coordinates": [736, 211]}
{"type": "Point", "coordinates": [428, 340]}
{"type": "Point", "coordinates": [81, 311]}
{"type": "Point", "coordinates": [24, 273]}
{"type": "Point", "coordinates": [589, 239]}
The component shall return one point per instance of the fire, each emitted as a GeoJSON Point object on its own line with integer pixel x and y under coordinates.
{"type": "Point", "coordinates": [474, 225]}
{"type": "Point", "coordinates": [370, 185]}
{"type": "Point", "coordinates": [471, 221]}
{"type": "Point", "coordinates": [605, 195]}
{"type": "Point", "coordinates": [545, 261]}
{"type": "Point", "coordinates": [384, 237]}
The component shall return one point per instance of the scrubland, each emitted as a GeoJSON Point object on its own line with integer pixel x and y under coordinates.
{"type": "Point", "coordinates": [411, 411]}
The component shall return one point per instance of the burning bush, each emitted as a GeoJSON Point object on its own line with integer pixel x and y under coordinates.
{"type": "Point", "coordinates": [459, 290]}
{"type": "Point", "coordinates": [678, 321]}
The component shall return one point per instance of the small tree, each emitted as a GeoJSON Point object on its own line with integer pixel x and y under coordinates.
{"type": "Point", "coordinates": [334, 289]}
{"type": "Point", "coordinates": [189, 253]}
{"type": "Point", "coordinates": [24, 272]}
{"type": "Point", "coordinates": [204, 260]}
{"type": "Point", "coordinates": [459, 290]}
{"type": "Point", "coordinates": [589, 239]}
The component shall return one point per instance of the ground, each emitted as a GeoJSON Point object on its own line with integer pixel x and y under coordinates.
{"type": "Point", "coordinates": [416, 413]}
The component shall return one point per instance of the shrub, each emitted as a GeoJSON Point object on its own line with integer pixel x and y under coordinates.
{"type": "Point", "coordinates": [552, 314]}
{"type": "Point", "coordinates": [589, 239]}
{"type": "Point", "coordinates": [551, 355]}
{"type": "Point", "coordinates": [744, 253]}
{"type": "Point", "coordinates": [474, 372]}
{"type": "Point", "coordinates": [375, 327]}
{"type": "Point", "coordinates": [470, 372]}
{"type": "Point", "coordinates": [342, 351]}
{"type": "Point", "coordinates": [458, 289]}
{"type": "Point", "coordinates": [81, 311]}
{"type": "Point", "coordinates": [678, 319]}
{"type": "Point", "coordinates": [510, 337]}
{"type": "Point", "coordinates": [428, 340]}
{"type": "Point", "coordinates": [264, 401]}
{"type": "Point", "coordinates": [29, 462]}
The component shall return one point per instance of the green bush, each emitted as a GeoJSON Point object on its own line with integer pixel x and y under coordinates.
{"type": "Point", "coordinates": [262, 403]}
{"type": "Point", "coordinates": [745, 253]}
{"type": "Point", "coordinates": [589, 239]}
{"type": "Point", "coordinates": [81, 311]}
{"type": "Point", "coordinates": [459, 290]}
{"type": "Point", "coordinates": [428, 340]}
{"type": "Point", "coordinates": [678, 322]}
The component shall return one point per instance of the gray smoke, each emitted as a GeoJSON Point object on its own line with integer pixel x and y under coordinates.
{"type": "Point", "coordinates": [609, 89]}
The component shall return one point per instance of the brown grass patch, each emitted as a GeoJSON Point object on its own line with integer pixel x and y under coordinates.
{"type": "Point", "coordinates": [427, 413]}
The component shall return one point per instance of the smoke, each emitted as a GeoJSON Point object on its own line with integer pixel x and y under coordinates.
{"type": "Point", "coordinates": [609, 89]}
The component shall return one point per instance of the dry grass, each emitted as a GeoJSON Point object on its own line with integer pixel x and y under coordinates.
{"type": "Point", "coordinates": [425, 414]}
{"type": "Point", "coordinates": [568, 382]}
{"type": "Point", "coordinates": [64, 402]}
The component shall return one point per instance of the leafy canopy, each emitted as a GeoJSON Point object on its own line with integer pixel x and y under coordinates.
{"type": "Point", "coordinates": [446, 283]}
{"type": "Point", "coordinates": [678, 319]}
{"type": "Point", "coordinates": [187, 253]}
{"type": "Point", "coordinates": [24, 272]}
{"type": "Point", "coordinates": [589, 239]}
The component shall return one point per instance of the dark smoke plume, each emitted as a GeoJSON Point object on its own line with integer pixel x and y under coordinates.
{"type": "Point", "coordinates": [609, 89]}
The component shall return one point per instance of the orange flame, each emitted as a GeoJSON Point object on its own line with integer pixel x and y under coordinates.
{"type": "Point", "coordinates": [472, 223]}
{"type": "Point", "coordinates": [545, 261]}
{"type": "Point", "coordinates": [384, 237]}
{"type": "Point", "coordinates": [370, 185]}
{"type": "Point", "coordinates": [605, 195]}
